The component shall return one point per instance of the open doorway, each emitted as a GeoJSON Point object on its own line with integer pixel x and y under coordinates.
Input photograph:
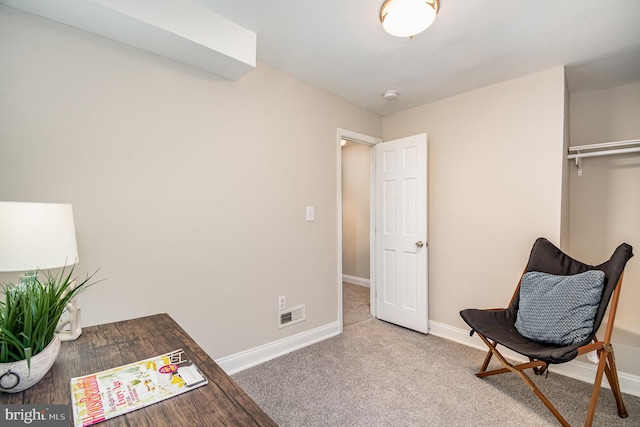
{"type": "Point", "coordinates": [356, 302]}
{"type": "Point", "coordinates": [398, 254]}
{"type": "Point", "coordinates": [356, 284]}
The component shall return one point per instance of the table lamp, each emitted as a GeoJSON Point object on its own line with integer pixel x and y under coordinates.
{"type": "Point", "coordinates": [39, 236]}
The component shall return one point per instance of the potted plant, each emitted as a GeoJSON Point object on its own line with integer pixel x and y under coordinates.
{"type": "Point", "coordinates": [29, 315]}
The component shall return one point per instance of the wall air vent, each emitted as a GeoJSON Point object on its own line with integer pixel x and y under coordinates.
{"type": "Point", "coordinates": [291, 316]}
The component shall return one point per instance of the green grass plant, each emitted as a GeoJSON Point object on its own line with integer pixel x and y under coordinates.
{"type": "Point", "coordinates": [31, 310]}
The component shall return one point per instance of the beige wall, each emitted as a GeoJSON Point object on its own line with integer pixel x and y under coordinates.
{"type": "Point", "coordinates": [495, 184]}
{"type": "Point", "coordinates": [605, 200]}
{"type": "Point", "coordinates": [185, 187]}
{"type": "Point", "coordinates": [356, 167]}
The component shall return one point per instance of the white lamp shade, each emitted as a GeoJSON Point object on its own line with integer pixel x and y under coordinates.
{"type": "Point", "coordinates": [406, 18]}
{"type": "Point", "coordinates": [36, 236]}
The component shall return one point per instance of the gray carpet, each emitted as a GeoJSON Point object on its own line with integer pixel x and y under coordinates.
{"type": "Point", "coordinates": [378, 374]}
{"type": "Point", "coordinates": [356, 307]}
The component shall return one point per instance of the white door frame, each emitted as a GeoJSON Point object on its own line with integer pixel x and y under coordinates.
{"type": "Point", "coordinates": [371, 141]}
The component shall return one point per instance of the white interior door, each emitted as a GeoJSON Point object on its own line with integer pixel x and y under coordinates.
{"type": "Point", "coordinates": [401, 232]}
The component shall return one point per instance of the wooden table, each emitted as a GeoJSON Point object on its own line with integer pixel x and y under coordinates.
{"type": "Point", "coordinates": [220, 403]}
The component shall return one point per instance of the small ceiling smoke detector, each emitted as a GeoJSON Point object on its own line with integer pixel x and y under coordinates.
{"type": "Point", "coordinates": [390, 95]}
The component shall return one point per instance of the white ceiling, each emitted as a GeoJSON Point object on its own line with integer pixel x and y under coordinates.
{"type": "Point", "coordinates": [339, 45]}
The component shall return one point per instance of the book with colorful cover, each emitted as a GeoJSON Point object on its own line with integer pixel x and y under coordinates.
{"type": "Point", "coordinates": [113, 392]}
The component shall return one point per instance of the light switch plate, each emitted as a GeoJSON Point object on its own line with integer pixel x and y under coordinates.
{"type": "Point", "coordinates": [310, 213]}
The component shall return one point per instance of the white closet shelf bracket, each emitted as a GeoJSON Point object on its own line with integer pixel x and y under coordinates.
{"type": "Point", "coordinates": [579, 152]}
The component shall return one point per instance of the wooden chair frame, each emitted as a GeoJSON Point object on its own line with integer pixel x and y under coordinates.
{"type": "Point", "coordinates": [606, 365]}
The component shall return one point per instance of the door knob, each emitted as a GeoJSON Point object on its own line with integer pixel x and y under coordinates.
{"type": "Point", "coordinates": [419, 243]}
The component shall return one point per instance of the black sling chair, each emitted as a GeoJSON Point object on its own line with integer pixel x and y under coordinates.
{"type": "Point", "coordinates": [497, 326]}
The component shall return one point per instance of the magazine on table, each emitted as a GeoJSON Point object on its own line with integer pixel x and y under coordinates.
{"type": "Point", "coordinates": [113, 392]}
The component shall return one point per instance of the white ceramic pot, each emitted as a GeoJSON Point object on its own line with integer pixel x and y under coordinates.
{"type": "Point", "coordinates": [16, 377]}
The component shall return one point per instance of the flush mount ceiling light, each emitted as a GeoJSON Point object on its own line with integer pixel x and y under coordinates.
{"type": "Point", "coordinates": [406, 18]}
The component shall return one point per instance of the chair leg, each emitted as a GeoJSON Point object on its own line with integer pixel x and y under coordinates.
{"type": "Point", "coordinates": [543, 399]}
{"type": "Point", "coordinates": [509, 367]}
{"type": "Point", "coordinates": [536, 365]}
{"type": "Point", "coordinates": [595, 392]}
{"type": "Point", "coordinates": [612, 375]}
{"type": "Point", "coordinates": [487, 358]}
{"type": "Point", "coordinates": [606, 365]}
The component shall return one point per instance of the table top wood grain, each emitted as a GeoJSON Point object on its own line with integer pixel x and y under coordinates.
{"type": "Point", "coordinates": [219, 403]}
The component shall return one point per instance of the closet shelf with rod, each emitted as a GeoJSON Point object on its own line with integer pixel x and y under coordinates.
{"type": "Point", "coordinates": [578, 152]}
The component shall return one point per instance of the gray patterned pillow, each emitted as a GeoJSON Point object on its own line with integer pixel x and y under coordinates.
{"type": "Point", "coordinates": [558, 310]}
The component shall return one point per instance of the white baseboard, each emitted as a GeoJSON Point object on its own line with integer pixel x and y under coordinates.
{"type": "Point", "coordinates": [255, 356]}
{"type": "Point", "coordinates": [356, 280]}
{"type": "Point", "coordinates": [582, 371]}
